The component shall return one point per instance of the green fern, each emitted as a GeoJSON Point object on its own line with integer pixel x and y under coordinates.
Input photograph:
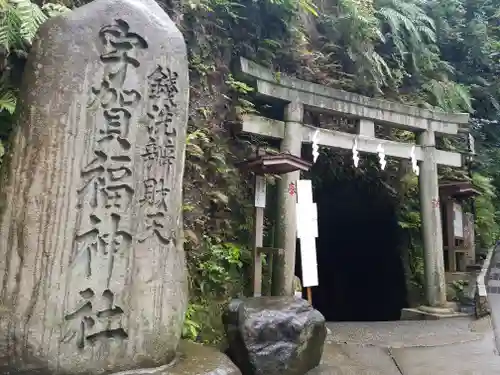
{"type": "Point", "coordinates": [309, 7]}
{"type": "Point", "coordinates": [19, 23]}
{"type": "Point", "coordinates": [411, 30]}
{"type": "Point", "coordinates": [8, 101]}
{"type": "Point", "coordinates": [10, 25]}
{"type": "Point", "coordinates": [31, 17]}
{"type": "Point", "coordinates": [20, 20]}
{"type": "Point", "coordinates": [448, 95]}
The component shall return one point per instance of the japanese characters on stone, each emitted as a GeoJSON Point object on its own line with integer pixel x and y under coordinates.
{"type": "Point", "coordinates": [93, 269]}
{"type": "Point", "coordinates": [159, 155]}
{"type": "Point", "coordinates": [105, 230]}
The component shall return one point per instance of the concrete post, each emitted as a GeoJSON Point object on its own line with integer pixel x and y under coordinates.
{"type": "Point", "coordinates": [286, 237]}
{"type": "Point", "coordinates": [431, 223]}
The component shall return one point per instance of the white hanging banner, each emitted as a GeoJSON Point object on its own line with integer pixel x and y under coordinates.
{"type": "Point", "coordinates": [307, 220]}
{"type": "Point", "coordinates": [260, 191]}
{"type": "Point", "coordinates": [414, 163]}
{"type": "Point", "coordinates": [471, 144]}
{"type": "Point", "coordinates": [381, 156]}
{"type": "Point", "coordinates": [458, 220]}
{"type": "Point", "coordinates": [309, 262]}
{"type": "Point", "coordinates": [315, 147]}
{"type": "Point", "coordinates": [355, 153]}
{"type": "Point", "coordinates": [304, 191]}
{"type": "Point", "coordinates": [307, 232]}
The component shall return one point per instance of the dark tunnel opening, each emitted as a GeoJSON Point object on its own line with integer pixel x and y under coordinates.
{"type": "Point", "coordinates": [360, 270]}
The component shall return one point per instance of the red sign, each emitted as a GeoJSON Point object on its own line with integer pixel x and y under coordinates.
{"type": "Point", "coordinates": [435, 203]}
{"type": "Point", "coordinates": [291, 189]}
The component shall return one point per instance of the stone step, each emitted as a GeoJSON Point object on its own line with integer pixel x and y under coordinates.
{"type": "Point", "coordinates": [418, 314]}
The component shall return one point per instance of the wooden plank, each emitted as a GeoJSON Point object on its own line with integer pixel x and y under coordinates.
{"type": "Point", "coordinates": [330, 138]}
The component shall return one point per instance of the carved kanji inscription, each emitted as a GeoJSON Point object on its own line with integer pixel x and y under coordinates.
{"type": "Point", "coordinates": [93, 196]}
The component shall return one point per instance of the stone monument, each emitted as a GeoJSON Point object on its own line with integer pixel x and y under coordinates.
{"type": "Point", "coordinates": [91, 256]}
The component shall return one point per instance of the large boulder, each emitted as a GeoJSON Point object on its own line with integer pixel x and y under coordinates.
{"type": "Point", "coordinates": [274, 335]}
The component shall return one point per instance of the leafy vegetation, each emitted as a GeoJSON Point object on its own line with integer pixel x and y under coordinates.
{"type": "Point", "coordinates": [19, 22]}
{"type": "Point", "coordinates": [430, 53]}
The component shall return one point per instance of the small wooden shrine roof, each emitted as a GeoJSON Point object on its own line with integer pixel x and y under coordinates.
{"type": "Point", "coordinates": [275, 164]}
{"type": "Point", "coordinates": [458, 189]}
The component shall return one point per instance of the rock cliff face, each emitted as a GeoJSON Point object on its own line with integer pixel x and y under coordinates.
{"type": "Point", "coordinates": [90, 246]}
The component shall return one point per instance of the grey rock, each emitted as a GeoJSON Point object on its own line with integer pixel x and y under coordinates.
{"type": "Point", "coordinates": [193, 359]}
{"type": "Point", "coordinates": [274, 335]}
{"type": "Point", "coordinates": [91, 256]}
{"type": "Point", "coordinates": [481, 307]}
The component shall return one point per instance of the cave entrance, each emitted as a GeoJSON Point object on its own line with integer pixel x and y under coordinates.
{"type": "Point", "coordinates": [360, 269]}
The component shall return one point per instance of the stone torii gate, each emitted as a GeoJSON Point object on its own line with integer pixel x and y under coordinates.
{"type": "Point", "coordinates": [298, 95]}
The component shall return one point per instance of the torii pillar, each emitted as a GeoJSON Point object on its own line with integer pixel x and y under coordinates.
{"type": "Point", "coordinates": [286, 237]}
{"type": "Point", "coordinates": [432, 231]}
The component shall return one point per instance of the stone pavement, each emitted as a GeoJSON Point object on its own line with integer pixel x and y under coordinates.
{"type": "Point", "coordinates": [458, 346]}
